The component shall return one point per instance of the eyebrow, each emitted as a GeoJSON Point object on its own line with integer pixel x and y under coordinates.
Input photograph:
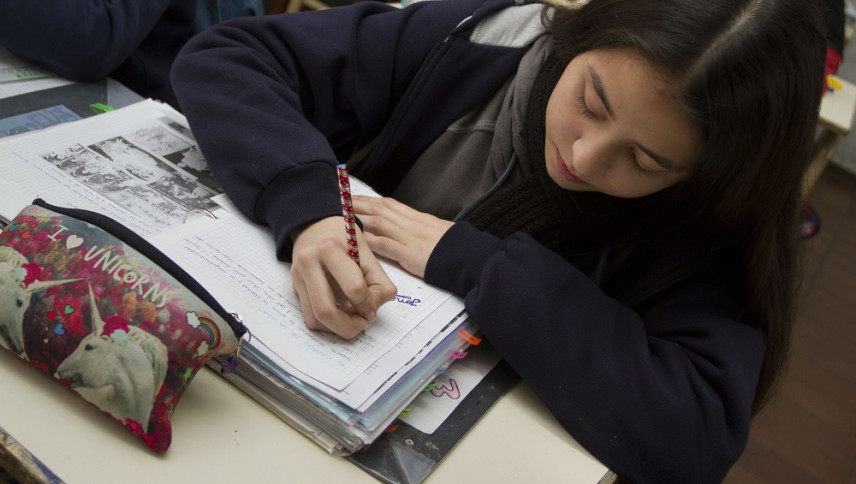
{"type": "Point", "coordinates": [597, 83]}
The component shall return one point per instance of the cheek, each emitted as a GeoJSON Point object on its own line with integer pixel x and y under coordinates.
{"type": "Point", "coordinates": [563, 125]}
{"type": "Point", "coordinates": [634, 185]}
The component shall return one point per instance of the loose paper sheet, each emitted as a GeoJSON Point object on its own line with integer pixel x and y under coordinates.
{"type": "Point", "coordinates": [12, 84]}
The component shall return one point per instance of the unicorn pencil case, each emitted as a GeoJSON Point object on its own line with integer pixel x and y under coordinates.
{"type": "Point", "coordinates": [104, 313]}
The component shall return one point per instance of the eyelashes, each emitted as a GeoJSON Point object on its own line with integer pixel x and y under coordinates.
{"type": "Point", "coordinates": [587, 113]}
{"type": "Point", "coordinates": [584, 109]}
{"type": "Point", "coordinates": [637, 167]}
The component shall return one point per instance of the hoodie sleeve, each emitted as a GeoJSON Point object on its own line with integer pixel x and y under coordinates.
{"type": "Point", "coordinates": [81, 41]}
{"type": "Point", "coordinates": [659, 393]}
{"type": "Point", "coordinates": [276, 101]}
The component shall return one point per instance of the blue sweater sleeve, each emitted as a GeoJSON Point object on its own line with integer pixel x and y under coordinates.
{"type": "Point", "coordinates": [81, 41]}
{"type": "Point", "coordinates": [306, 89]}
{"type": "Point", "coordinates": [659, 394]}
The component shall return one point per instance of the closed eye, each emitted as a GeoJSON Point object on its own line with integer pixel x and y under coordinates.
{"type": "Point", "coordinates": [584, 109]}
{"type": "Point", "coordinates": [638, 167]}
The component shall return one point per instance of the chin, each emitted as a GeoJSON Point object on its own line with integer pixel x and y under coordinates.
{"type": "Point", "coordinates": [571, 186]}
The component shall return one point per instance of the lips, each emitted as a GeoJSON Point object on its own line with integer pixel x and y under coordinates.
{"type": "Point", "coordinates": [566, 173]}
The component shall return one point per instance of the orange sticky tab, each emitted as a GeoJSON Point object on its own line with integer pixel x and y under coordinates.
{"type": "Point", "coordinates": [469, 337]}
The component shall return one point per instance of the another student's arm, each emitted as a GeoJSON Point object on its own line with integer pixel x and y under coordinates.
{"type": "Point", "coordinates": [78, 40]}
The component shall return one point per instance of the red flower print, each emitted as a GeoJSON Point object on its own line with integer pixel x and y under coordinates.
{"type": "Point", "coordinates": [113, 323]}
{"type": "Point", "coordinates": [34, 273]}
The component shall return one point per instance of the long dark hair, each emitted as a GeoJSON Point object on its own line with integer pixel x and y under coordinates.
{"type": "Point", "coordinates": [750, 75]}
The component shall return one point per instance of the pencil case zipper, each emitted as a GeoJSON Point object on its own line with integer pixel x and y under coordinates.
{"type": "Point", "coordinates": [148, 250]}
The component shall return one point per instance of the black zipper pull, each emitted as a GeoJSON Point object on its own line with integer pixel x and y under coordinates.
{"type": "Point", "coordinates": [231, 362]}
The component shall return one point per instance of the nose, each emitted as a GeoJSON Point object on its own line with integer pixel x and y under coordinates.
{"type": "Point", "coordinates": [592, 154]}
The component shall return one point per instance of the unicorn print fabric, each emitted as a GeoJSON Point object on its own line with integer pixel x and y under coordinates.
{"type": "Point", "coordinates": [107, 316]}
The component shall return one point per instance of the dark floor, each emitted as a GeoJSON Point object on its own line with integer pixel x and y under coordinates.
{"type": "Point", "coordinates": [808, 433]}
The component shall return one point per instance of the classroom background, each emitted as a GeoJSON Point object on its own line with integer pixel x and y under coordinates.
{"type": "Point", "coordinates": [808, 433]}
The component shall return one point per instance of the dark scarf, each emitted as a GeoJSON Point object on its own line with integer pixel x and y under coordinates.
{"type": "Point", "coordinates": [576, 225]}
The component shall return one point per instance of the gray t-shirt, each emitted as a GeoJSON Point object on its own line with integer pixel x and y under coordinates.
{"type": "Point", "coordinates": [469, 158]}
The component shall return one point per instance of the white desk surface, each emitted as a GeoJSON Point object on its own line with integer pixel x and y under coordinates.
{"type": "Point", "coordinates": [837, 107]}
{"type": "Point", "coordinates": [221, 435]}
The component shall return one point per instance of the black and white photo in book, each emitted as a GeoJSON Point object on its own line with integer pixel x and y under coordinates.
{"type": "Point", "coordinates": [141, 167]}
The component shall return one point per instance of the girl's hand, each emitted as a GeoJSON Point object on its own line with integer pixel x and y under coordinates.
{"type": "Point", "coordinates": [336, 294]}
{"type": "Point", "coordinates": [398, 232]}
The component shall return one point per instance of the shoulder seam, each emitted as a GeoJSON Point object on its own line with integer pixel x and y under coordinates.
{"type": "Point", "coordinates": [516, 26]}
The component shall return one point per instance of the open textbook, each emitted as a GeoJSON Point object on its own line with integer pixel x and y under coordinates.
{"type": "Point", "coordinates": [140, 166]}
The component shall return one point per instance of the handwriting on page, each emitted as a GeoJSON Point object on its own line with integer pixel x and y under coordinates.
{"type": "Point", "coordinates": [220, 253]}
{"type": "Point", "coordinates": [410, 301]}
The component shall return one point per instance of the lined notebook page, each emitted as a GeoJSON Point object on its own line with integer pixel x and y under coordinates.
{"type": "Point", "coordinates": [235, 260]}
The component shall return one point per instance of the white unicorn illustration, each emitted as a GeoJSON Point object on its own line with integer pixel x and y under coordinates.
{"type": "Point", "coordinates": [121, 373]}
{"type": "Point", "coordinates": [15, 298]}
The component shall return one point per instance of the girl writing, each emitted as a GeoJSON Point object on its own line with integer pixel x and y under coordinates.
{"type": "Point", "coordinates": [612, 188]}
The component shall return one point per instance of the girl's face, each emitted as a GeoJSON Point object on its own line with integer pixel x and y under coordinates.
{"type": "Point", "coordinates": [614, 126]}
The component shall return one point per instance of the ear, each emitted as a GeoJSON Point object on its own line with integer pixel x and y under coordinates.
{"type": "Point", "coordinates": [12, 256]}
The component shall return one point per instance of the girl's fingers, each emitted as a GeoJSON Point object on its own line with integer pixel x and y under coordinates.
{"type": "Point", "coordinates": [399, 232]}
{"type": "Point", "coordinates": [335, 293]}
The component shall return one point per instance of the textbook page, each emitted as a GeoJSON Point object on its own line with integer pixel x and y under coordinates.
{"type": "Point", "coordinates": [12, 201]}
{"type": "Point", "coordinates": [138, 165]}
